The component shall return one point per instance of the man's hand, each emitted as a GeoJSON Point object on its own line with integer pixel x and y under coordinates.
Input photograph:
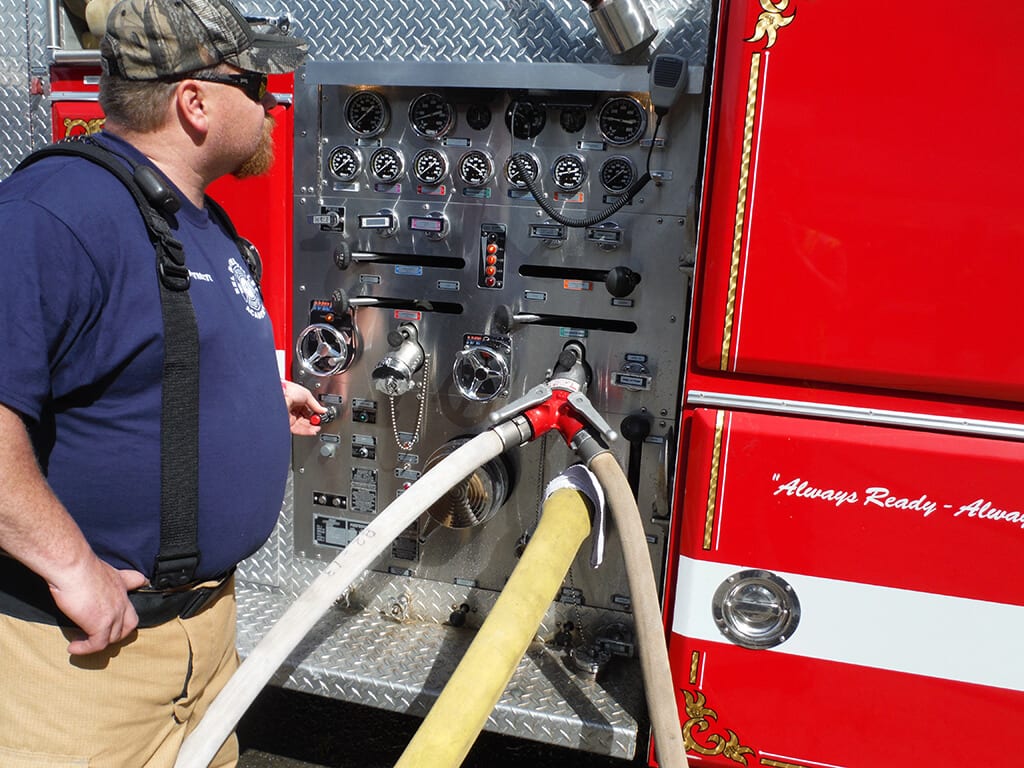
{"type": "Point", "coordinates": [95, 597]}
{"type": "Point", "coordinates": [301, 405]}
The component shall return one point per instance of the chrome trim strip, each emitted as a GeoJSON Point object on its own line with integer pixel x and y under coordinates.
{"type": "Point", "coordinates": [977, 427]}
{"type": "Point", "coordinates": [74, 96]}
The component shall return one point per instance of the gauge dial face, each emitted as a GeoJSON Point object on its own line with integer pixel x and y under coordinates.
{"type": "Point", "coordinates": [622, 120]}
{"type": "Point", "coordinates": [525, 119]}
{"type": "Point", "coordinates": [617, 173]}
{"type": "Point", "coordinates": [573, 119]}
{"type": "Point", "coordinates": [569, 172]}
{"type": "Point", "coordinates": [512, 171]}
{"type": "Point", "coordinates": [431, 115]}
{"type": "Point", "coordinates": [344, 163]}
{"type": "Point", "coordinates": [387, 164]}
{"type": "Point", "coordinates": [430, 166]}
{"type": "Point", "coordinates": [367, 113]}
{"type": "Point", "coordinates": [476, 168]}
{"type": "Point", "coordinates": [478, 116]}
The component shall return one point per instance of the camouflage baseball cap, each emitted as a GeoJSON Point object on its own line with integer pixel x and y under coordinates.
{"type": "Point", "coordinates": [162, 39]}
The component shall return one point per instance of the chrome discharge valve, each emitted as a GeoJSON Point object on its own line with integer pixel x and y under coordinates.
{"type": "Point", "coordinates": [393, 375]}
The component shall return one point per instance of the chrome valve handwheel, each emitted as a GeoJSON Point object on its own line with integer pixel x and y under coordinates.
{"type": "Point", "coordinates": [324, 350]}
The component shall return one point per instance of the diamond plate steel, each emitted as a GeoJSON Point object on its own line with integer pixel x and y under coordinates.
{"type": "Point", "coordinates": [363, 654]}
{"type": "Point", "coordinates": [481, 30]}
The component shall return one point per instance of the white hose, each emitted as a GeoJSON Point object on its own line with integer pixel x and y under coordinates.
{"type": "Point", "coordinates": [202, 744]}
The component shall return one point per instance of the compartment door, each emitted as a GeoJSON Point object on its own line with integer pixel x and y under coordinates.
{"type": "Point", "coordinates": [901, 552]}
{"type": "Point", "coordinates": [864, 224]}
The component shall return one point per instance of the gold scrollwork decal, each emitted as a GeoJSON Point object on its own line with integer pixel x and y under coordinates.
{"type": "Point", "coordinates": [76, 126]}
{"type": "Point", "coordinates": [770, 21]}
{"type": "Point", "coordinates": [700, 717]}
{"type": "Point", "coordinates": [703, 719]}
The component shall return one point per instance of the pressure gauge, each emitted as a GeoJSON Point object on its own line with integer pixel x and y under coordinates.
{"type": "Point", "coordinates": [431, 115]}
{"type": "Point", "coordinates": [478, 116]}
{"type": "Point", "coordinates": [525, 119]}
{"type": "Point", "coordinates": [617, 174]}
{"type": "Point", "coordinates": [622, 120]}
{"type": "Point", "coordinates": [532, 167]}
{"type": "Point", "coordinates": [344, 163]}
{"type": "Point", "coordinates": [387, 164]}
{"type": "Point", "coordinates": [476, 168]}
{"type": "Point", "coordinates": [573, 119]}
{"type": "Point", "coordinates": [569, 172]}
{"type": "Point", "coordinates": [367, 113]}
{"type": "Point", "coordinates": [430, 166]}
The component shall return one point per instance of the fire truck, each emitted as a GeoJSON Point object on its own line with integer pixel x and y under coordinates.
{"type": "Point", "coordinates": [790, 277]}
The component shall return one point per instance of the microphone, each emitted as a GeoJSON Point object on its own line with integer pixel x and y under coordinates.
{"type": "Point", "coordinates": [668, 76]}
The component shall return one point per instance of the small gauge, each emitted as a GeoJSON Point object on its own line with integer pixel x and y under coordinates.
{"type": "Point", "coordinates": [367, 113]}
{"type": "Point", "coordinates": [569, 172]}
{"type": "Point", "coordinates": [431, 115]}
{"type": "Point", "coordinates": [344, 163]}
{"type": "Point", "coordinates": [478, 116]}
{"type": "Point", "coordinates": [573, 119]}
{"type": "Point", "coordinates": [386, 164]}
{"type": "Point", "coordinates": [476, 168]}
{"type": "Point", "coordinates": [430, 166]}
{"type": "Point", "coordinates": [617, 174]}
{"type": "Point", "coordinates": [525, 119]}
{"type": "Point", "coordinates": [622, 120]}
{"type": "Point", "coordinates": [515, 178]}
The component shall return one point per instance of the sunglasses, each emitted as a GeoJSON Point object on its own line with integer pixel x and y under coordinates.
{"type": "Point", "coordinates": [253, 84]}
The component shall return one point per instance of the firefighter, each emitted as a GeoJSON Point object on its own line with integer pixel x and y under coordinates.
{"type": "Point", "coordinates": [131, 484]}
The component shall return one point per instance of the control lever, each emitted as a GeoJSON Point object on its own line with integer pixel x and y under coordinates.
{"type": "Point", "coordinates": [635, 429]}
{"type": "Point", "coordinates": [620, 281]}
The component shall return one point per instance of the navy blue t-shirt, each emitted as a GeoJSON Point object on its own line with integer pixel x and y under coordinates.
{"type": "Point", "coordinates": [81, 335]}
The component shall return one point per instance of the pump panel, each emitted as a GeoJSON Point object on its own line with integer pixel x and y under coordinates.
{"type": "Point", "coordinates": [431, 290]}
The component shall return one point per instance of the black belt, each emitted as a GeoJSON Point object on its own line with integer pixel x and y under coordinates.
{"type": "Point", "coordinates": [24, 595]}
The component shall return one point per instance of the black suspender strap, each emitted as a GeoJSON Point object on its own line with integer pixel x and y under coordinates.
{"type": "Point", "coordinates": [178, 556]}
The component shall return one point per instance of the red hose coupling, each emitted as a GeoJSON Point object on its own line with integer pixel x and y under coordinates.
{"type": "Point", "coordinates": [555, 413]}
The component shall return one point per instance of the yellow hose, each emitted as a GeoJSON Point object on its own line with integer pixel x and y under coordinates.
{"type": "Point", "coordinates": [457, 717]}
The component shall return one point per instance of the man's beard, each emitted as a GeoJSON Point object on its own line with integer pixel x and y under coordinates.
{"type": "Point", "coordinates": [263, 158]}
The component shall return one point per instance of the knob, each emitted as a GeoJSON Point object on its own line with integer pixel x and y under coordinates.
{"type": "Point", "coordinates": [327, 450]}
{"type": "Point", "coordinates": [635, 428]}
{"type": "Point", "coordinates": [317, 419]}
{"type": "Point", "coordinates": [620, 281]}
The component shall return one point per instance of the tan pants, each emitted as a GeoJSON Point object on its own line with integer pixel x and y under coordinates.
{"type": "Point", "coordinates": [129, 706]}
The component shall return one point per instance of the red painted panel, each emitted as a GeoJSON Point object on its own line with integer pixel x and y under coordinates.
{"type": "Point", "coordinates": [804, 496]}
{"type": "Point", "coordinates": [793, 712]}
{"type": "Point", "coordinates": [879, 209]}
{"type": "Point", "coordinates": [875, 505]}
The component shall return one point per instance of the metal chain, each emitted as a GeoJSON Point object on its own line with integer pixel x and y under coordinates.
{"type": "Point", "coordinates": [422, 395]}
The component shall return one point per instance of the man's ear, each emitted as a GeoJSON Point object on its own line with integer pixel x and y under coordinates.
{"type": "Point", "coordinates": [189, 99]}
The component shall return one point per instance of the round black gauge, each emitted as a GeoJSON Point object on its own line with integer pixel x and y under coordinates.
{"type": "Point", "coordinates": [430, 166]}
{"type": "Point", "coordinates": [367, 113]}
{"type": "Point", "coordinates": [525, 119]}
{"type": "Point", "coordinates": [387, 164]}
{"type": "Point", "coordinates": [431, 115]}
{"type": "Point", "coordinates": [476, 168]}
{"type": "Point", "coordinates": [573, 119]}
{"type": "Point", "coordinates": [569, 172]}
{"type": "Point", "coordinates": [617, 173]}
{"type": "Point", "coordinates": [622, 120]}
{"type": "Point", "coordinates": [512, 171]}
{"type": "Point", "coordinates": [478, 116]}
{"type": "Point", "coordinates": [344, 163]}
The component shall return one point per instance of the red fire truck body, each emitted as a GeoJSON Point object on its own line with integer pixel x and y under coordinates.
{"type": "Point", "coordinates": [843, 575]}
{"type": "Point", "coordinates": [852, 399]}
